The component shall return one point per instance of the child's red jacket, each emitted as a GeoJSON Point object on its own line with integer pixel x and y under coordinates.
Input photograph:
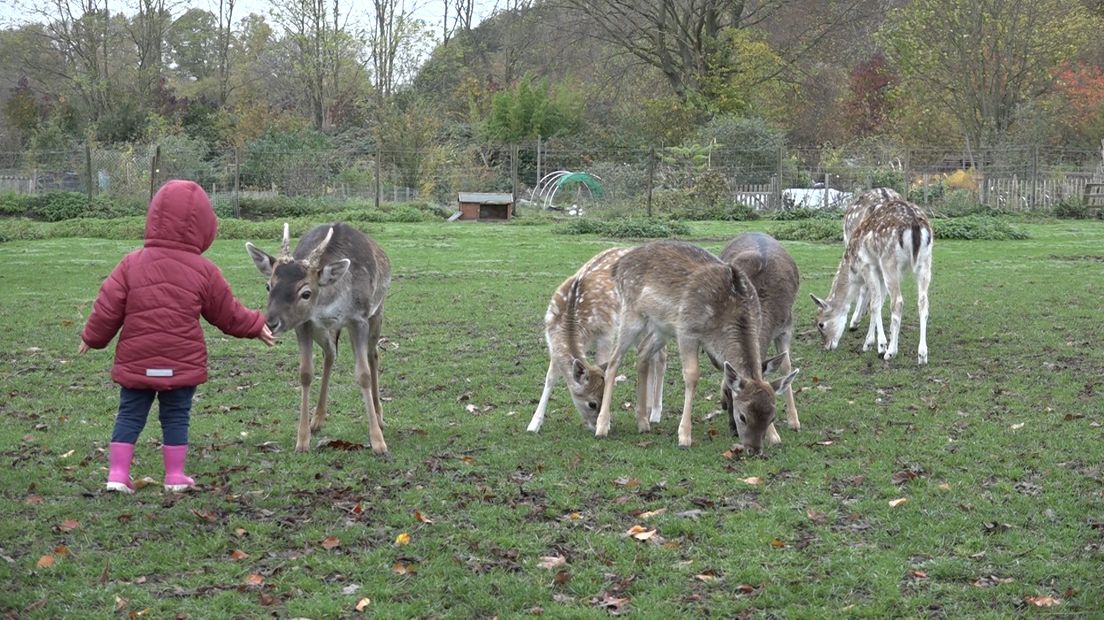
{"type": "Point", "coordinates": [156, 295]}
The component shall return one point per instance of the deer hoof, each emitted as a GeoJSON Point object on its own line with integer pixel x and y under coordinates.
{"type": "Point", "coordinates": [644, 427]}
{"type": "Point", "coordinates": [302, 446]}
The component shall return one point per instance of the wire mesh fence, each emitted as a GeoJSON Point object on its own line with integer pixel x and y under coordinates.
{"type": "Point", "coordinates": [761, 176]}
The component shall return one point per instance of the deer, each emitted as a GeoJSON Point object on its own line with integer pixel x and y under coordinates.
{"type": "Point", "coordinates": [860, 207]}
{"type": "Point", "coordinates": [336, 279]}
{"type": "Point", "coordinates": [581, 316]}
{"type": "Point", "coordinates": [675, 289]}
{"type": "Point", "coordinates": [894, 238]}
{"type": "Point", "coordinates": [775, 276]}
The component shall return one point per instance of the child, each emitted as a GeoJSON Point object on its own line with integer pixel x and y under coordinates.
{"type": "Point", "coordinates": [156, 295]}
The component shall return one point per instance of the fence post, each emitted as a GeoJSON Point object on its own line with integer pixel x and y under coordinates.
{"type": "Point", "coordinates": [781, 165]}
{"type": "Point", "coordinates": [537, 183]}
{"type": "Point", "coordinates": [1034, 175]}
{"type": "Point", "coordinates": [237, 182]}
{"type": "Point", "coordinates": [651, 178]}
{"type": "Point", "coordinates": [379, 171]}
{"type": "Point", "coordinates": [906, 172]}
{"type": "Point", "coordinates": [514, 175]}
{"type": "Point", "coordinates": [155, 169]}
{"type": "Point", "coordinates": [88, 171]}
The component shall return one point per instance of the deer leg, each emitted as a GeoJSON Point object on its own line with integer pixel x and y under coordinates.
{"type": "Point", "coordinates": [643, 392]}
{"type": "Point", "coordinates": [923, 279]}
{"type": "Point", "coordinates": [542, 406]}
{"type": "Point", "coordinates": [375, 329]}
{"type": "Point", "coordinates": [659, 368]}
{"type": "Point", "coordinates": [329, 351]}
{"type": "Point", "coordinates": [306, 374]}
{"type": "Point", "coordinates": [782, 343]}
{"type": "Point", "coordinates": [893, 284]}
{"type": "Point", "coordinates": [860, 306]}
{"type": "Point", "coordinates": [364, 379]}
{"type": "Point", "coordinates": [877, 298]}
{"type": "Point", "coordinates": [688, 353]}
{"type": "Point", "coordinates": [623, 339]}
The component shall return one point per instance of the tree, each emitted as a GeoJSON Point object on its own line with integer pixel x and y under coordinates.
{"type": "Point", "coordinates": [981, 60]}
{"type": "Point", "coordinates": [530, 110]}
{"type": "Point", "coordinates": [192, 42]}
{"type": "Point", "coordinates": [867, 104]}
{"type": "Point", "coordinates": [690, 41]}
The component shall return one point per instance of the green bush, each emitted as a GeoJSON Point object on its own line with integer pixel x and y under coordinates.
{"type": "Point", "coordinates": [1071, 209]}
{"type": "Point", "coordinates": [805, 213]}
{"type": "Point", "coordinates": [959, 203]}
{"type": "Point", "coordinates": [815, 229]}
{"type": "Point", "coordinates": [977, 227]}
{"type": "Point", "coordinates": [21, 229]}
{"type": "Point", "coordinates": [58, 206]}
{"type": "Point", "coordinates": [632, 228]}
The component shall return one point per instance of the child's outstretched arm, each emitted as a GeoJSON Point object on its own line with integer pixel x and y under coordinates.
{"type": "Point", "coordinates": [225, 312]}
{"type": "Point", "coordinates": [107, 311]}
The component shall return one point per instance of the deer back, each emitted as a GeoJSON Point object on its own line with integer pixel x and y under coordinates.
{"type": "Point", "coordinates": [897, 228]}
{"type": "Point", "coordinates": [774, 274]}
{"type": "Point", "coordinates": [862, 205]}
{"type": "Point", "coordinates": [584, 307]}
{"type": "Point", "coordinates": [685, 290]}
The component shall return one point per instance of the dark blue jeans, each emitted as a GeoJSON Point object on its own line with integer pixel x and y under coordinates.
{"type": "Point", "coordinates": [173, 408]}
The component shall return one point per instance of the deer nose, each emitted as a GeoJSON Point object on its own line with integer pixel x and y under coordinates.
{"type": "Point", "coordinates": [273, 325]}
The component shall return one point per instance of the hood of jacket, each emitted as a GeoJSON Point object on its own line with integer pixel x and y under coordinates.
{"type": "Point", "coordinates": [180, 217]}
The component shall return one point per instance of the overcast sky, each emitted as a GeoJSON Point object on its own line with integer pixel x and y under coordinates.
{"type": "Point", "coordinates": [15, 12]}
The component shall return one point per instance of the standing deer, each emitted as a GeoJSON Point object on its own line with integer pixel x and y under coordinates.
{"type": "Point", "coordinates": [856, 212]}
{"type": "Point", "coordinates": [674, 289]}
{"type": "Point", "coordinates": [774, 274]}
{"type": "Point", "coordinates": [894, 238]}
{"type": "Point", "coordinates": [581, 315]}
{"type": "Point", "coordinates": [336, 279]}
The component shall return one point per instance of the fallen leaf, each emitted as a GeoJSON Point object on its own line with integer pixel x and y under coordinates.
{"type": "Point", "coordinates": [919, 574]}
{"type": "Point", "coordinates": [403, 568]}
{"type": "Point", "coordinates": [61, 550]}
{"type": "Point", "coordinates": [990, 581]}
{"type": "Point", "coordinates": [615, 605]}
{"type": "Point", "coordinates": [777, 543]}
{"type": "Point", "coordinates": [943, 486]}
{"type": "Point", "coordinates": [468, 460]}
{"type": "Point", "coordinates": [267, 599]}
{"type": "Point", "coordinates": [1042, 601]}
{"type": "Point", "coordinates": [551, 561]}
{"type": "Point", "coordinates": [339, 444]}
{"type": "Point", "coordinates": [746, 588]}
{"type": "Point", "coordinates": [421, 518]}
{"type": "Point", "coordinates": [652, 513]}
{"type": "Point", "coordinates": [904, 476]}
{"type": "Point", "coordinates": [143, 482]}
{"type": "Point", "coordinates": [331, 542]}
{"type": "Point", "coordinates": [826, 442]}
{"type": "Point", "coordinates": [561, 578]}
{"type": "Point", "coordinates": [45, 561]}
{"type": "Point", "coordinates": [640, 532]}
{"type": "Point", "coordinates": [240, 532]}
{"type": "Point", "coordinates": [120, 603]}
{"type": "Point", "coordinates": [253, 579]}
{"type": "Point", "coordinates": [205, 515]}
{"type": "Point", "coordinates": [816, 517]}
{"type": "Point", "coordinates": [238, 554]}
{"type": "Point", "coordinates": [67, 454]}
{"type": "Point", "coordinates": [69, 525]}
{"type": "Point", "coordinates": [706, 576]}
{"type": "Point", "coordinates": [34, 500]}
{"type": "Point", "coordinates": [105, 574]}
{"type": "Point", "coordinates": [893, 503]}
{"type": "Point", "coordinates": [1017, 427]}
{"type": "Point", "coordinates": [402, 539]}
{"type": "Point", "coordinates": [628, 483]}
{"type": "Point", "coordinates": [752, 480]}
{"type": "Point", "coordinates": [363, 604]}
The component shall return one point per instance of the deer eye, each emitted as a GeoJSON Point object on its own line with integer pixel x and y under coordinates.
{"type": "Point", "coordinates": [820, 326]}
{"type": "Point", "coordinates": [743, 420]}
{"type": "Point", "coordinates": [268, 287]}
{"type": "Point", "coordinates": [592, 405]}
{"type": "Point", "coordinates": [305, 295]}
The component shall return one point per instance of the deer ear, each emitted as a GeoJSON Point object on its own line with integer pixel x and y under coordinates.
{"type": "Point", "coordinates": [780, 385]}
{"type": "Point", "coordinates": [333, 271]}
{"type": "Point", "coordinates": [733, 379]}
{"type": "Point", "coordinates": [738, 283]}
{"type": "Point", "coordinates": [578, 370]}
{"type": "Point", "coordinates": [773, 363]}
{"type": "Point", "coordinates": [819, 302]}
{"type": "Point", "coordinates": [262, 260]}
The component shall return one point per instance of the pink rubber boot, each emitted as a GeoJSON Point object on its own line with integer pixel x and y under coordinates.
{"type": "Point", "coordinates": [175, 480]}
{"type": "Point", "coordinates": [118, 473]}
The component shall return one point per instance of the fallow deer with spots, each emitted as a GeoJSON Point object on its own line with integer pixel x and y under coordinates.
{"type": "Point", "coordinates": [856, 212]}
{"type": "Point", "coordinates": [671, 289]}
{"type": "Point", "coordinates": [774, 274]}
{"type": "Point", "coordinates": [581, 317]}
{"type": "Point", "coordinates": [336, 279]}
{"type": "Point", "coordinates": [893, 239]}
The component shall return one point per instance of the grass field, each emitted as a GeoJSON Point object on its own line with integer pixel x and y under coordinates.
{"type": "Point", "coordinates": [997, 446]}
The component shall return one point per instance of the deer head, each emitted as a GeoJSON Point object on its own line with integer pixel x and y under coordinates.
{"type": "Point", "coordinates": [294, 284]}
{"type": "Point", "coordinates": [749, 402]}
{"type": "Point", "coordinates": [585, 384]}
{"type": "Point", "coordinates": [830, 320]}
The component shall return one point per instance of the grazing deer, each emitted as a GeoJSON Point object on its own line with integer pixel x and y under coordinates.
{"type": "Point", "coordinates": [894, 238]}
{"type": "Point", "coordinates": [581, 316]}
{"type": "Point", "coordinates": [336, 279]}
{"type": "Point", "coordinates": [674, 289]}
{"type": "Point", "coordinates": [856, 212]}
{"type": "Point", "coordinates": [774, 274]}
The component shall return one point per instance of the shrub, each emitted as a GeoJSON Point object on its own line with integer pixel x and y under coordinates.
{"type": "Point", "coordinates": [805, 213]}
{"type": "Point", "coordinates": [959, 203]}
{"type": "Point", "coordinates": [815, 229]}
{"type": "Point", "coordinates": [1071, 209]}
{"type": "Point", "coordinates": [21, 229]}
{"type": "Point", "coordinates": [58, 206]}
{"type": "Point", "coordinates": [632, 228]}
{"type": "Point", "coordinates": [977, 227]}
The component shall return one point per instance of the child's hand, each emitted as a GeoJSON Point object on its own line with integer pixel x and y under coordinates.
{"type": "Point", "coordinates": [83, 348]}
{"type": "Point", "coordinates": [265, 337]}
